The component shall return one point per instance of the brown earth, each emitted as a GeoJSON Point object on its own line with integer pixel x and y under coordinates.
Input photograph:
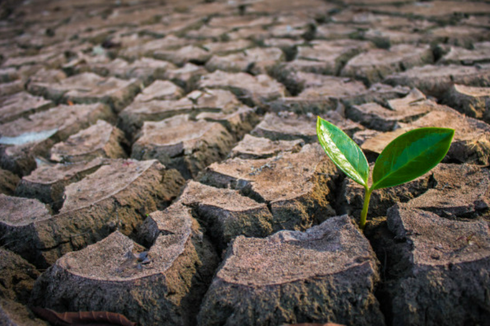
{"type": "Point", "coordinates": [159, 159]}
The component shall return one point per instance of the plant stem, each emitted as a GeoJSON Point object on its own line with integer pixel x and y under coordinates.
{"type": "Point", "coordinates": [367, 198]}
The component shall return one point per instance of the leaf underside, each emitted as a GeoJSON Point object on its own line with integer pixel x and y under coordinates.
{"type": "Point", "coordinates": [343, 151]}
{"type": "Point", "coordinates": [411, 155]}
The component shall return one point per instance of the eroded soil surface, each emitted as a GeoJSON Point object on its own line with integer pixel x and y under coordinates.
{"type": "Point", "coordinates": [159, 159]}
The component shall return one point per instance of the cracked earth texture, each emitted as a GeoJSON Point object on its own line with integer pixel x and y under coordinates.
{"type": "Point", "coordinates": [159, 159]}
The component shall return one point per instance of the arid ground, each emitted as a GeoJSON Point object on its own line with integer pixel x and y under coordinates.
{"type": "Point", "coordinates": [159, 160]}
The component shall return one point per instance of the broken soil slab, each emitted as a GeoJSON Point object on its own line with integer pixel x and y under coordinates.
{"type": "Point", "coordinates": [436, 80]}
{"type": "Point", "coordinates": [335, 93]}
{"type": "Point", "coordinates": [15, 314]}
{"type": "Point", "coordinates": [379, 93]}
{"type": "Point", "coordinates": [289, 126]}
{"type": "Point", "coordinates": [224, 48]}
{"type": "Point", "coordinates": [187, 76]}
{"type": "Point", "coordinates": [206, 32]}
{"type": "Point", "coordinates": [147, 70]}
{"type": "Point", "coordinates": [190, 53]}
{"type": "Point", "coordinates": [332, 31]}
{"type": "Point", "coordinates": [47, 76]}
{"type": "Point", "coordinates": [477, 55]}
{"type": "Point", "coordinates": [255, 61]}
{"type": "Point", "coordinates": [287, 277]}
{"type": "Point", "coordinates": [472, 101]}
{"type": "Point", "coordinates": [116, 274]}
{"type": "Point", "coordinates": [7, 89]}
{"type": "Point", "coordinates": [471, 143]}
{"type": "Point", "coordinates": [385, 38]}
{"type": "Point", "coordinates": [237, 122]}
{"type": "Point", "coordinates": [93, 208]}
{"type": "Point", "coordinates": [47, 183]}
{"type": "Point", "coordinates": [65, 119]}
{"type": "Point", "coordinates": [221, 99]}
{"type": "Point", "coordinates": [441, 11]}
{"type": "Point", "coordinates": [207, 100]}
{"type": "Point", "coordinates": [17, 215]}
{"type": "Point", "coordinates": [404, 110]}
{"type": "Point", "coordinates": [294, 30]}
{"type": "Point", "coordinates": [51, 59]}
{"type": "Point", "coordinates": [160, 90]}
{"type": "Point", "coordinates": [17, 277]}
{"type": "Point", "coordinates": [24, 139]}
{"type": "Point", "coordinates": [89, 88]}
{"type": "Point", "coordinates": [297, 186]}
{"type": "Point", "coordinates": [226, 214]}
{"type": "Point", "coordinates": [21, 105]}
{"type": "Point", "coordinates": [8, 75]}
{"type": "Point", "coordinates": [459, 35]}
{"type": "Point", "coordinates": [99, 140]}
{"type": "Point", "coordinates": [144, 69]}
{"type": "Point", "coordinates": [460, 191]}
{"type": "Point", "coordinates": [319, 86]}
{"type": "Point", "coordinates": [233, 21]}
{"type": "Point", "coordinates": [251, 90]}
{"type": "Point", "coordinates": [315, 86]}
{"type": "Point", "coordinates": [131, 119]}
{"type": "Point", "coordinates": [251, 147]}
{"type": "Point", "coordinates": [169, 42]}
{"type": "Point", "coordinates": [374, 65]}
{"type": "Point", "coordinates": [8, 182]}
{"type": "Point", "coordinates": [181, 143]}
{"type": "Point", "coordinates": [327, 57]}
{"type": "Point", "coordinates": [443, 273]}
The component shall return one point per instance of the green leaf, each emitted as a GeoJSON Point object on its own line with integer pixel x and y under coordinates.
{"type": "Point", "coordinates": [410, 156]}
{"type": "Point", "coordinates": [343, 151]}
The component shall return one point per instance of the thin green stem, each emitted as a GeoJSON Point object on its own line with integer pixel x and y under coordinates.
{"type": "Point", "coordinates": [367, 198]}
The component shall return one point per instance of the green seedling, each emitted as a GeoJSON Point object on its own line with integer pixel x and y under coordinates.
{"type": "Point", "coordinates": [407, 157]}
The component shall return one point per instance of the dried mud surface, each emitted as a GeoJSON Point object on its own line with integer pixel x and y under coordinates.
{"type": "Point", "coordinates": [159, 159]}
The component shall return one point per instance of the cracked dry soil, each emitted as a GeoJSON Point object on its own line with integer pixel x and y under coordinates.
{"type": "Point", "coordinates": [159, 159]}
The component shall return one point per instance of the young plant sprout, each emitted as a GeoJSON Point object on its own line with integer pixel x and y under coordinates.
{"type": "Point", "coordinates": [407, 157]}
